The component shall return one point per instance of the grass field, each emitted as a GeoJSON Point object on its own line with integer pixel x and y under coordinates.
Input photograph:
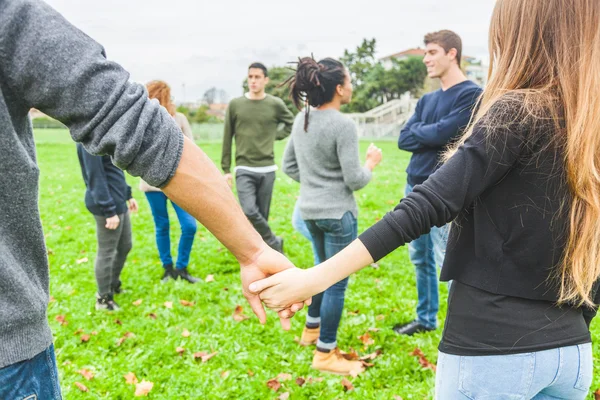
{"type": "Point", "coordinates": [147, 339]}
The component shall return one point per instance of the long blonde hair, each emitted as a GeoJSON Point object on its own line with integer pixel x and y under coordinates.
{"type": "Point", "coordinates": [548, 52]}
{"type": "Point", "coordinates": [161, 91]}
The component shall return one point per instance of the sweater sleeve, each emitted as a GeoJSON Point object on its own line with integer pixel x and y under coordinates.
{"type": "Point", "coordinates": [93, 168]}
{"type": "Point", "coordinates": [407, 140]}
{"type": "Point", "coordinates": [439, 134]}
{"type": "Point", "coordinates": [355, 176]}
{"type": "Point", "coordinates": [290, 163]}
{"type": "Point", "coordinates": [479, 163]}
{"type": "Point", "coordinates": [286, 118]}
{"type": "Point", "coordinates": [228, 132]}
{"type": "Point", "coordinates": [49, 64]}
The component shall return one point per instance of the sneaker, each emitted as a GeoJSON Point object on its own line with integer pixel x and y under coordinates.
{"type": "Point", "coordinates": [119, 289]}
{"type": "Point", "coordinates": [309, 336]}
{"type": "Point", "coordinates": [182, 273]}
{"type": "Point", "coordinates": [334, 362]}
{"type": "Point", "coordinates": [411, 328]}
{"type": "Point", "coordinates": [169, 273]}
{"type": "Point", "coordinates": [106, 303]}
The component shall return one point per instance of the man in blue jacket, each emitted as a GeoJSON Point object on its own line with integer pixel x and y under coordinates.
{"type": "Point", "coordinates": [106, 198]}
{"type": "Point", "coordinates": [440, 117]}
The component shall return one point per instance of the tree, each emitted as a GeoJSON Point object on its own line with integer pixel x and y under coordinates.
{"type": "Point", "coordinates": [361, 61]}
{"type": "Point", "coordinates": [210, 96]}
{"type": "Point", "coordinates": [278, 75]}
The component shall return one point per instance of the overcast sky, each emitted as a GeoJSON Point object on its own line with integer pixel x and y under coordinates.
{"type": "Point", "coordinates": [198, 44]}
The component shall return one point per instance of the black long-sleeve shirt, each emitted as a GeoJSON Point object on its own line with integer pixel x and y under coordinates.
{"type": "Point", "coordinates": [107, 191]}
{"type": "Point", "coordinates": [506, 192]}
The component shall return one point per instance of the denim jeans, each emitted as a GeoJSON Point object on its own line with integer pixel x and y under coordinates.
{"type": "Point", "coordinates": [158, 205]}
{"type": "Point", "coordinates": [425, 252]}
{"type": "Point", "coordinates": [330, 236]}
{"type": "Point", "coordinates": [35, 379]}
{"type": "Point", "coordinates": [561, 373]}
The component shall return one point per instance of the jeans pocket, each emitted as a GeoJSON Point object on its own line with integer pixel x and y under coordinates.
{"type": "Point", "coordinates": [584, 377]}
{"type": "Point", "coordinates": [496, 377]}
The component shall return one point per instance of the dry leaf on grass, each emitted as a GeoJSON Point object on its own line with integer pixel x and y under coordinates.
{"type": "Point", "coordinates": [425, 363]}
{"type": "Point", "coordinates": [94, 333]}
{"type": "Point", "coordinates": [366, 339]}
{"type": "Point", "coordinates": [138, 302]}
{"type": "Point", "coordinates": [61, 319]}
{"type": "Point", "coordinates": [224, 374]}
{"type": "Point", "coordinates": [371, 356]}
{"type": "Point", "coordinates": [300, 381]}
{"type": "Point", "coordinates": [152, 315]}
{"type": "Point", "coordinates": [374, 330]}
{"type": "Point", "coordinates": [185, 333]}
{"type": "Point", "coordinates": [143, 388]}
{"type": "Point", "coordinates": [169, 304]}
{"type": "Point", "coordinates": [284, 377]}
{"type": "Point", "coordinates": [130, 378]}
{"type": "Point", "coordinates": [597, 395]}
{"type": "Point", "coordinates": [82, 260]}
{"type": "Point", "coordinates": [186, 303]}
{"type": "Point", "coordinates": [52, 299]}
{"type": "Point", "coordinates": [81, 387]}
{"type": "Point", "coordinates": [250, 373]}
{"type": "Point", "coordinates": [85, 338]}
{"type": "Point", "coordinates": [180, 350]}
{"type": "Point", "coordinates": [118, 322]}
{"type": "Point", "coordinates": [204, 356]}
{"type": "Point", "coordinates": [210, 278]}
{"type": "Point", "coordinates": [78, 331]}
{"type": "Point", "coordinates": [284, 396]}
{"type": "Point", "coordinates": [380, 317]}
{"type": "Point", "coordinates": [273, 384]}
{"type": "Point", "coordinates": [396, 397]}
{"type": "Point", "coordinates": [356, 312]}
{"type": "Point", "coordinates": [347, 385]}
{"type": "Point", "coordinates": [125, 337]}
{"type": "Point", "coordinates": [87, 374]}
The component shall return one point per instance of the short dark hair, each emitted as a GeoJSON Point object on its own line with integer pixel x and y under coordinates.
{"type": "Point", "coordinates": [448, 40]}
{"type": "Point", "coordinates": [315, 83]}
{"type": "Point", "coordinates": [258, 65]}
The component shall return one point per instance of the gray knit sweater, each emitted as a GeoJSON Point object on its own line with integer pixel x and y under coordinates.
{"type": "Point", "coordinates": [48, 64]}
{"type": "Point", "coordinates": [326, 163]}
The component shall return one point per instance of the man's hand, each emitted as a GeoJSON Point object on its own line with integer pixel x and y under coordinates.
{"type": "Point", "coordinates": [268, 262]}
{"type": "Point", "coordinates": [229, 180]}
{"type": "Point", "coordinates": [112, 223]}
{"type": "Point", "coordinates": [133, 205]}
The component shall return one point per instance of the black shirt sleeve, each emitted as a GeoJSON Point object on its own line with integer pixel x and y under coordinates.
{"type": "Point", "coordinates": [494, 147]}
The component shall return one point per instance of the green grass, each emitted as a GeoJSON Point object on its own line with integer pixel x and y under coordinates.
{"type": "Point", "coordinates": [384, 297]}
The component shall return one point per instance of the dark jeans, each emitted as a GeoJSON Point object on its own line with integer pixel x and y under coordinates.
{"type": "Point", "coordinates": [35, 379]}
{"type": "Point", "coordinates": [113, 247]}
{"type": "Point", "coordinates": [158, 205]}
{"type": "Point", "coordinates": [255, 191]}
{"type": "Point", "coordinates": [330, 236]}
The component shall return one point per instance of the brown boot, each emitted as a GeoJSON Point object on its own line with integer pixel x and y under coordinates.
{"type": "Point", "coordinates": [309, 336]}
{"type": "Point", "coordinates": [334, 362]}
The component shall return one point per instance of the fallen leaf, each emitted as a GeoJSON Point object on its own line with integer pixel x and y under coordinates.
{"type": "Point", "coordinates": [391, 202]}
{"type": "Point", "coordinates": [185, 333]}
{"type": "Point", "coordinates": [238, 314]}
{"type": "Point", "coordinates": [68, 228]}
{"type": "Point", "coordinates": [94, 333]}
{"type": "Point", "coordinates": [50, 252]}
{"type": "Point", "coordinates": [61, 319]}
{"type": "Point", "coordinates": [143, 388]}
{"type": "Point", "coordinates": [354, 312]}
{"type": "Point", "coordinates": [68, 362]}
{"type": "Point", "coordinates": [81, 387]}
{"type": "Point", "coordinates": [225, 289]}
{"type": "Point", "coordinates": [186, 303]}
{"type": "Point", "coordinates": [284, 377]}
{"type": "Point", "coordinates": [273, 384]}
{"type": "Point", "coordinates": [118, 322]}
{"type": "Point", "coordinates": [87, 374]}
{"type": "Point", "coordinates": [366, 339]}
{"type": "Point", "coordinates": [82, 260]}
{"type": "Point", "coordinates": [347, 385]}
{"type": "Point", "coordinates": [380, 317]}
{"type": "Point", "coordinates": [125, 337]}
{"type": "Point", "coordinates": [284, 396]}
{"type": "Point", "coordinates": [374, 329]}
{"type": "Point", "coordinates": [312, 380]}
{"type": "Point", "coordinates": [396, 397]}
{"type": "Point", "coordinates": [205, 356]}
{"type": "Point", "coordinates": [210, 278]}
{"type": "Point", "coordinates": [423, 360]}
{"type": "Point", "coordinates": [300, 381]}
{"type": "Point", "coordinates": [250, 373]}
{"type": "Point", "coordinates": [180, 350]}
{"type": "Point", "coordinates": [137, 303]}
{"type": "Point", "coordinates": [152, 315]}
{"type": "Point", "coordinates": [371, 356]}
{"type": "Point", "coordinates": [169, 304]}
{"type": "Point", "coordinates": [130, 378]}
{"type": "Point", "coordinates": [85, 338]}
{"type": "Point", "coordinates": [597, 395]}
{"type": "Point", "coordinates": [352, 355]}
{"type": "Point", "coordinates": [52, 299]}
{"type": "Point", "coordinates": [78, 331]}
{"type": "Point", "coordinates": [224, 374]}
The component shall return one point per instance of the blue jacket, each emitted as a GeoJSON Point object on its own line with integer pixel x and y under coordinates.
{"type": "Point", "coordinates": [440, 118]}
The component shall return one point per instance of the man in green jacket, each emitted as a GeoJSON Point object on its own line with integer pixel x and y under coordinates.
{"type": "Point", "coordinates": [255, 121]}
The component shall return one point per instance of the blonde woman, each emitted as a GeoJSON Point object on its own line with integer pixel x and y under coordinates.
{"type": "Point", "coordinates": [158, 203]}
{"type": "Point", "coordinates": [523, 187]}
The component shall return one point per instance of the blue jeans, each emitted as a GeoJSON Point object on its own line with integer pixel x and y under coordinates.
{"type": "Point", "coordinates": [562, 373]}
{"type": "Point", "coordinates": [35, 379]}
{"type": "Point", "coordinates": [158, 205]}
{"type": "Point", "coordinates": [330, 236]}
{"type": "Point", "coordinates": [425, 252]}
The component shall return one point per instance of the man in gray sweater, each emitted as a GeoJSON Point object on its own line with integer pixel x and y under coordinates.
{"type": "Point", "coordinates": [47, 63]}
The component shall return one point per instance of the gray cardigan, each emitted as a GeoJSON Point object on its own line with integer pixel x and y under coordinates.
{"type": "Point", "coordinates": [326, 163]}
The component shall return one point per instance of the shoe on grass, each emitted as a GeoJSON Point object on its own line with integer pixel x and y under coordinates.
{"type": "Point", "coordinates": [106, 303]}
{"type": "Point", "coordinates": [411, 328]}
{"type": "Point", "coordinates": [334, 362]}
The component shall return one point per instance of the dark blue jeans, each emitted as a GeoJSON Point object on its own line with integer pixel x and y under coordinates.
{"type": "Point", "coordinates": [330, 236]}
{"type": "Point", "coordinates": [35, 379]}
{"type": "Point", "coordinates": [158, 205]}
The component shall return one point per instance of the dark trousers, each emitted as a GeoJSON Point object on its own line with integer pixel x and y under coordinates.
{"type": "Point", "coordinates": [113, 248]}
{"type": "Point", "coordinates": [255, 191]}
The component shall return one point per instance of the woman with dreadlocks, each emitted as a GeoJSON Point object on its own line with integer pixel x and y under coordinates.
{"type": "Point", "coordinates": [322, 154]}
